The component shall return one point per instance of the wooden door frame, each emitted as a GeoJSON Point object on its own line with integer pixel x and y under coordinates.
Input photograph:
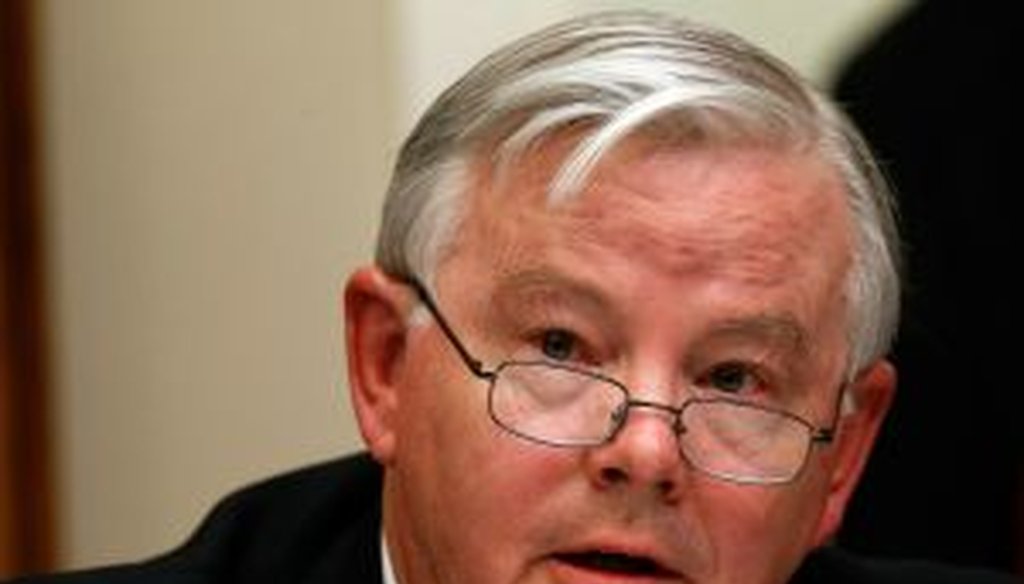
{"type": "Point", "coordinates": [26, 487]}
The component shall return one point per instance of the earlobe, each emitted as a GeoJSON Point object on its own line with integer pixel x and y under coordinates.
{"type": "Point", "coordinates": [872, 392]}
{"type": "Point", "coordinates": [375, 333]}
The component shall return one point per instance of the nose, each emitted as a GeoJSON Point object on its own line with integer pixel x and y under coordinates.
{"type": "Point", "coordinates": [644, 454]}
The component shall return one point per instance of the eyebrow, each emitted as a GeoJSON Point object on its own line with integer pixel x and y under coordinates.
{"type": "Point", "coordinates": [782, 329]}
{"type": "Point", "coordinates": [557, 285]}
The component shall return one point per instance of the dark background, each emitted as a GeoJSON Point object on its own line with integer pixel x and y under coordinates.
{"type": "Point", "coordinates": [938, 96]}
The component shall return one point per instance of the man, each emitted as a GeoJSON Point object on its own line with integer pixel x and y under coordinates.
{"type": "Point", "coordinates": [634, 288]}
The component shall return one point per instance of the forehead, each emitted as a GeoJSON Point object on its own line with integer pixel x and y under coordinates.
{"type": "Point", "coordinates": [744, 212]}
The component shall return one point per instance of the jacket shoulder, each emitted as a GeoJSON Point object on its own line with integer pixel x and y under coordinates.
{"type": "Point", "coordinates": [834, 566]}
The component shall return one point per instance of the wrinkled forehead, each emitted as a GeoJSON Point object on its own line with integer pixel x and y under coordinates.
{"type": "Point", "coordinates": [742, 209]}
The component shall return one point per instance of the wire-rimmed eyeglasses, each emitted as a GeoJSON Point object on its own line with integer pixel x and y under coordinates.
{"type": "Point", "coordinates": [560, 405]}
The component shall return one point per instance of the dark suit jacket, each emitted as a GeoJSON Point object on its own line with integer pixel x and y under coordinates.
{"type": "Point", "coordinates": [321, 525]}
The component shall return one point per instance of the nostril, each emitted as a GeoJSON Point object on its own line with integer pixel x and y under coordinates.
{"type": "Point", "coordinates": [666, 487]}
{"type": "Point", "coordinates": [613, 476]}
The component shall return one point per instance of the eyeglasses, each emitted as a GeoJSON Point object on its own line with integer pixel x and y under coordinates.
{"type": "Point", "coordinates": [560, 405]}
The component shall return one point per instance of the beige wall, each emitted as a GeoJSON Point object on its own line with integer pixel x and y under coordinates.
{"type": "Point", "coordinates": [214, 169]}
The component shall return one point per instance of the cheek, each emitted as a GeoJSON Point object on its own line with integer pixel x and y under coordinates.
{"type": "Point", "coordinates": [481, 492]}
{"type": "Point", "coordinates": [437, 398]}
{"type": "Point", "coordinates": [443, 419]}
{"type": "Point", "coordinates": [762, 533]}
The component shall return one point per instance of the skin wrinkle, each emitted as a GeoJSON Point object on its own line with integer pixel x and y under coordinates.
{"type": "Point", "coordinates": [759, 247]}
{"type": "Point", "coordinates": [764, 251]}
{"type": "Point", "coordinates": [542, 296]}
{"type": "Point", "coordinates": [777, 343]}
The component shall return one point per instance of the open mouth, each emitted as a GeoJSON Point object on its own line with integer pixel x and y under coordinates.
{"type": "Point", "coordinates": [617, 564]}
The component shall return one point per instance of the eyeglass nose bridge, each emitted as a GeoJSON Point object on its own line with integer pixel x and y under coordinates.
{"type": "Point", "coordinates": [621, 414]}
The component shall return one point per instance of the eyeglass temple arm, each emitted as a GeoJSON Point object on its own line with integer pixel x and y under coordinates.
{"type": "Point", "coordinates": [823, 435]}
{"type": "Point", "coordinates": [827, 435]}
{"type": "Point", "coordinates": [473, 363]}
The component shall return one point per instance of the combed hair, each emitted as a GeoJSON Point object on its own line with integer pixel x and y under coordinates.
{"type": "Point", "coordinates": [610, 76]}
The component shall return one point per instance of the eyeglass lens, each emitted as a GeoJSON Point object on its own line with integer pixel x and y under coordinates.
{"type": "Point", "coordinates": [562, 406]}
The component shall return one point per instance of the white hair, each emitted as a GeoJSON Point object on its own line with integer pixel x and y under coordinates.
{"type": "Point", "coordinates": [613, 75]}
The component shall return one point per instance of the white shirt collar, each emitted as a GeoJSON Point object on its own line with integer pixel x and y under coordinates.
{"type": "Point", "coordinates": [385, 560]}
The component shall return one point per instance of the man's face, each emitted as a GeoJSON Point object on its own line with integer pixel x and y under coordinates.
{"type": "Point", "coordinates": [679, 273]}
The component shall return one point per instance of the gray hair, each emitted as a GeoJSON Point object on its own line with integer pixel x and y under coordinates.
{"type": "Point", "coordinates": [613, 75]}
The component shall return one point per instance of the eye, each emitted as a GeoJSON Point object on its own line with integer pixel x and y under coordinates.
{"type": "Point", "coordinates": [558, 344]}
{"type": "Point", "coordinates": [731, 377]}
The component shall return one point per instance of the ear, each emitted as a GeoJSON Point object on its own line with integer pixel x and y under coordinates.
{"type": "Point", "coordinates": [872, 394]}
{"type": "Point", "coordinates": [376, 307]}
